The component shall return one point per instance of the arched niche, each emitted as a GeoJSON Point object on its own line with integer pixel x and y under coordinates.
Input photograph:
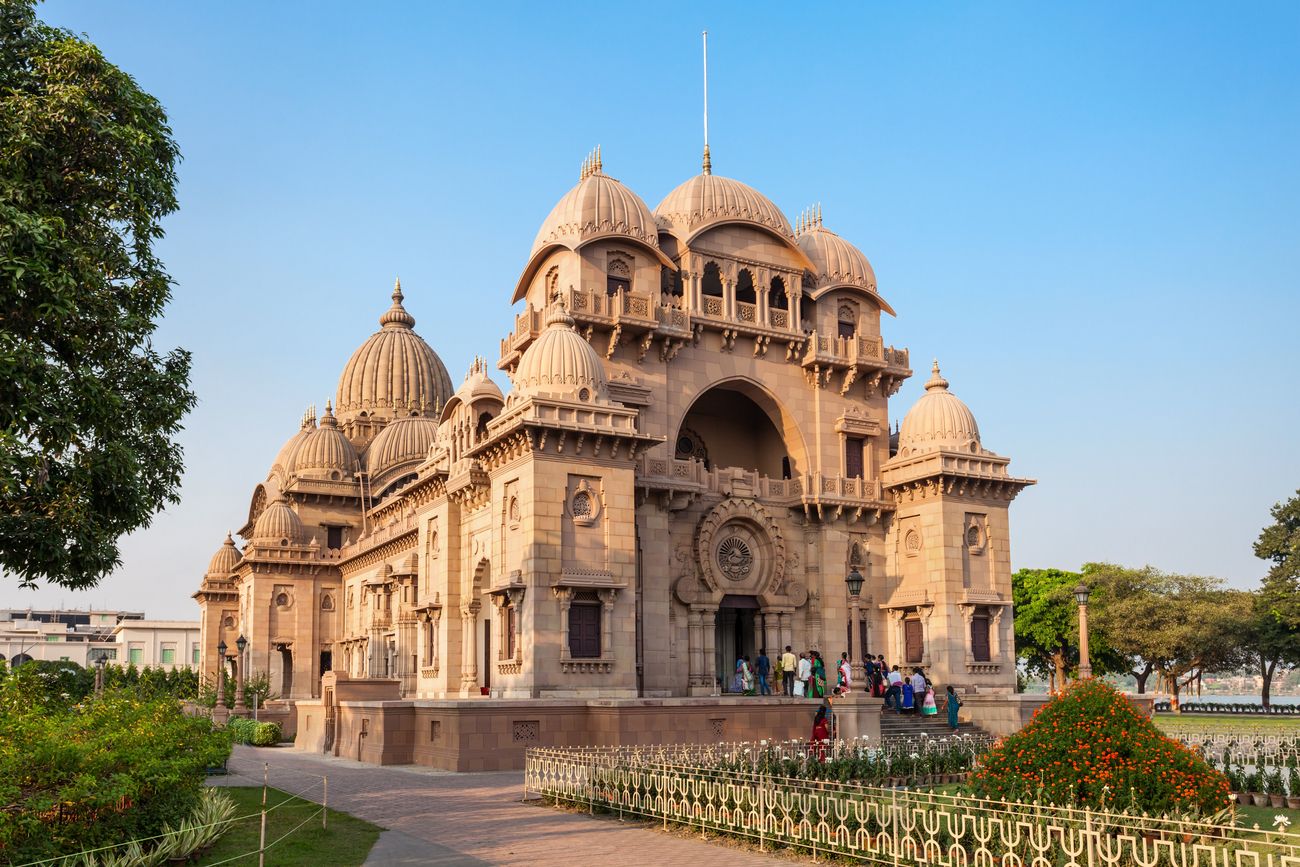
{"type": "Point", "coordinates": [739, 423]}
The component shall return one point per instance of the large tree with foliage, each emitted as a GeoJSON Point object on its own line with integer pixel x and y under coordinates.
{"type": "Point", "coordinates": [1273, 633]}
{"type": "Point", "coordinates": [88, 407]}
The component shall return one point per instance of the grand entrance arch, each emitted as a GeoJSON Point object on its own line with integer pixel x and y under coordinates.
{"type": "Point", "coordinates": [739, 423]}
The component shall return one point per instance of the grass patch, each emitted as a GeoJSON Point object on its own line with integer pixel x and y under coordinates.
{"type": "Point", "coordinates": [1213, 722]}
{"type": "Point", "coordinates": [346, 842]}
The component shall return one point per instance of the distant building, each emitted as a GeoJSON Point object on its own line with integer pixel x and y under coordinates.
{"type": "Point", "coordinates": [120, 637]}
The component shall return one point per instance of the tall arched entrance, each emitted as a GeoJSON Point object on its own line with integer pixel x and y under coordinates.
{"type": "Point", "coordinates": [738, 423]}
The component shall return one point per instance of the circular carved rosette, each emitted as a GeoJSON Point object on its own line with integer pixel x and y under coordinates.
{"type": "Point", "coordinates": [740, 549]}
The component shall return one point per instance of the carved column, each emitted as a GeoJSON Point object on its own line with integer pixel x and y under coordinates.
{"type": "Point", "coordinates": [469, 646]}
{"type": "Point", "coordinates": [929, 658]}
{"type": "Point", "coordinates": [607, 597]}
{"type": "Point", "coordinates": [897, 655]}
{"type": "Point", "coordinates": [787, 630]}
{"type": "Point", "coordinates": [709, 619]}
{"type": "Point", "coordinates": [517, 603]}
{"type": "Point", "coordinates": [695, 644]}
{"type": "Point", "coordinates": [564, 596]}
{"type": "Point", "coordinates": [772, 633]}
{"type": "Point", "coordinates": [995, 634]}
{"type": "Point", "coordinates": [729, 299]}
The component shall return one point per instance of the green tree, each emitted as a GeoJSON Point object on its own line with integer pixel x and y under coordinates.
{"type": "Point", "coordinates": [1046, 621]}
{"type": "Point", "coordinates": [1274, 628]}
{"type": "Point", "coordinates": [88, 407]}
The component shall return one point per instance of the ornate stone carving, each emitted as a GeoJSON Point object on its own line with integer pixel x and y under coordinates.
{"type": "Point", "coordinates": [739, 543]}
{"type": "Point", "coordinates": [735, 559]}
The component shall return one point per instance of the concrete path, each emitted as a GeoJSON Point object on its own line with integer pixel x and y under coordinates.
{"type": "Point", "coordinates": [440, 818]}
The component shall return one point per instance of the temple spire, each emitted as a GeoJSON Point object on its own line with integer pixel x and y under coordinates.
{"type": "Point", "coordinates": [396, 315]}
{"type": "Point", "coordinates": [708, 161]}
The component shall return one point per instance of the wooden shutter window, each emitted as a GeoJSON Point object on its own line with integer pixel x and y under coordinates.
{"type": "Point", "coordinates": [912, 640]}
{"type": "Point", "coordinates": [853, 457]}
{"type": "Point", "coordinates": [979, 638]}
{"type": "Point", "coordinates": [584, 630]}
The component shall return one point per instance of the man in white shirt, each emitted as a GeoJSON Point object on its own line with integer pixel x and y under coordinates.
{"type": "Point", "coordinates": [918, 685]}
{"type": "Point", "coordinates": [805, 671]}
{"type": "Point", "coordinates": [894, 697]}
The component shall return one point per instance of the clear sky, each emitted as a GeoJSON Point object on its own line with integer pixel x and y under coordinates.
{"type": "Point", "coordinates": [1090, 213]}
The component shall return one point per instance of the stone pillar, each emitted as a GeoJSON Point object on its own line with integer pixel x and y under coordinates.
{"type": "Point", "coordinates": [787, 630]}
{"type": "Point", "coordinates": [695, 652]}
{"type": "Point", "coordinates": [729, 299]}
{"type": "Point", "coordinates": [607, 597]}
{"type": "Point", "coordinates": [772, 633]}
{"type": "Point", "coordinates": [995, 635]}
{"type": "Point", "coordinates": [517, 603]}
{"type": "Point", "coordinates": [469, 644]}
{"type": "Point", "coordinates": [710, 628]}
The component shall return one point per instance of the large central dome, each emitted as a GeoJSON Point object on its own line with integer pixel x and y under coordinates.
{"type": "Point", "coordinates": [709, 200]}
{"type": "Point", "coordinates": [393, 371]}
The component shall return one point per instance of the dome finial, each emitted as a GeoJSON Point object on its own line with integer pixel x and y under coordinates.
{"type": "Point", "coordinates": [599, 165]}
{"type": "Point", "coordinates": [396, 315]}
{"type": "Point", "coordinates": [936, 379]}
{"type": "Point", "coordinates": [558, 315]}
{"type": "Point", "coordinates": [708, 162]}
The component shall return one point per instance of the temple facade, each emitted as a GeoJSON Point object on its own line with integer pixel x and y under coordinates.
{"type": "Point", "coordinates": [694, 451]}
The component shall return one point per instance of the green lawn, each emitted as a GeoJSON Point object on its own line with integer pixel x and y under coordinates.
{"type": "Point", "coordinates": [1213, 722]}
{"type": "Point", "coordinates": [346, 842]}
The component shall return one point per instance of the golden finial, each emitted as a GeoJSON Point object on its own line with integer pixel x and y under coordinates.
{"type": "Point", "coordinates": [599, 165]}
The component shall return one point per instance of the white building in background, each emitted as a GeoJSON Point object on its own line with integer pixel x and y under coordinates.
{"type": "Point", "coordinates": [80, 636]}
{"type": "Point", "coordinates": [157, 643]}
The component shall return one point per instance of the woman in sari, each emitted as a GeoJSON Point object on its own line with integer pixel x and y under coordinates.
{"type": "Point", "coordinates": [738, 682]}
{"type": "Point", "coordinates": [821, 731]}
{"type": "Point", "coordinates": [928, 706]}
{"type": "Point", "coordinates": [819, 676]}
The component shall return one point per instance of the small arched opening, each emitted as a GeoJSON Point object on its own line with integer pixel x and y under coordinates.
{"type": "Point", "coordinates": [776, 297]}
{"type": "Point", "coordinates": [745, 287]}
{"type": "Point", "coordinates": [711, 285]}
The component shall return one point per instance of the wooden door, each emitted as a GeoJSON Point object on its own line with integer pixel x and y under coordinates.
{"type": "Point", "coordinates": [913, 648]}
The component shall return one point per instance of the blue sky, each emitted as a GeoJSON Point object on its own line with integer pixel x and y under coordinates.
{"type": "Point", "coordinates": [1089, 212]}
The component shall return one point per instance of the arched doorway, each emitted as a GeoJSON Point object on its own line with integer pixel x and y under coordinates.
{"type": "Point", "coordinates": [738, 423]}
{"type": "Point", "coordinates": [737, 636]}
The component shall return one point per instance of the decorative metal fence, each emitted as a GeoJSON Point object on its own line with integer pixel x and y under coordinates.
{"type": "Point", "coordinates": [896, 826]}
{"type": "Point", "coordinates": [1253, 749]}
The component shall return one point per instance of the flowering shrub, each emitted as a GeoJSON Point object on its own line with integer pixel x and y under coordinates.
{"type": "Point", "coordinates": [1089, 747]}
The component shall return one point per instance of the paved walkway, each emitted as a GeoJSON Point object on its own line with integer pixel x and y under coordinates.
{"type": "Point", "coordinates": [446, 819]}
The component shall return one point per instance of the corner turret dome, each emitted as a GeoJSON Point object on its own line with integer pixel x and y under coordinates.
{"type": "Point", "coordinates": [393, 369]}
{"type": "Point", "coordinates": [225, 560]}
{"type": "Point", "coordinates": [278, 525]}
{"type": "Point", "coordinates": [325, 452]}
{"type": "Point", "coordinates": [477, 386]}
{"type": "Point", "coordinates": [402, 441]}
{"type": "Point", "coordinates": [561, 364]}
{"type": "Point", "coordinates": [837, 263]}
{"type": "Point", "coordinates": [938, 420]}
{"type": "Point", "coordinates": [598, 207]}
{"type": "Point", "coordinates": [284, 458]}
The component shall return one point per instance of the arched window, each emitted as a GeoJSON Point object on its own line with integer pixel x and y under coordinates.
{"type": "Point", "coordinates": [712, 284]}
{"type": "Point", "coordinates": [552, 282]}
{"type": "Point", "coordinates": [745, 287]}
{"type": "Point", "coordinates": [618, 276]}
{"type": "Point", "coordinates": [670, 282]}
{"type": "Point", "coordinates": [776, 298]}
{"type": "Point", "coordinates": [847, 320]}
{"type": "Point", "coordinates": [480, 430]}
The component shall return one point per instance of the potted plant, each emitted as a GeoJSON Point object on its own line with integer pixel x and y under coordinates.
{"type": "Point", "coordinates": [1258, 796]}
{"type": "Point", "coordinates": [1276, 788]}
{"type": "Point", "coordinates": [1293, 789]}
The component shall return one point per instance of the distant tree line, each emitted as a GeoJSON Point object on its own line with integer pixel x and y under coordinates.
{"type": "Point", "coordinates": [1163, 629]}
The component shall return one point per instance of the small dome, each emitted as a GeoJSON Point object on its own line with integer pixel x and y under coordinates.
{"type": "Point", "coordinates": [599, 206]}
{"type": "Point", "coordinates": [401, 441]}
{"type": "Point", "coordinates": [939, 419]}
{"type": "Point", "coordinates": [325, 452]}
{"type": "Point", "coordinates": [477, 386]}
{"type": "Point", "coordinates": [278, 524]}
{"type": "Point", "coordinates": [393, 369]}
{"type": "Point", "coordinates": [707, 200]}
{"type": "Point", "coordinates": [836, 262]}
{"type": "Point", "coordinates": [560, 363]}
{"type": "Point", "coordinates": [226, 559]}
{"type": "Point", "coordinates": [284, 459]}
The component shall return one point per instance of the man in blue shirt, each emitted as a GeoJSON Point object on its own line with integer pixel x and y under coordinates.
{"type": "Point", "coordinates": [763, 667]}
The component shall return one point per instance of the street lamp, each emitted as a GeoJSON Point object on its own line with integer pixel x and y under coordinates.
{"type": "Point", "coordinates": [221, 674]}
{"type": "Point", "coordinates": [854, 581]}
{"type": "Point", "coordinates": [240, 644]}
{"type": "Point", "coordinates": [99, 674]}
{"type": "Point", "coordinates": [1081, 596]}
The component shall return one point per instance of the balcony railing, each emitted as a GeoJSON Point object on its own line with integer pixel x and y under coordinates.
{"type": "Point", "coordinates": [858, 350]}
{"type": "Point", "coordinates": [691, 475]}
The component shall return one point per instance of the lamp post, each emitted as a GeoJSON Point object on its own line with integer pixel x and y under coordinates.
{"type": "Point", "coordinates": [1081, 596]}
{"type": "Point", "coordinates": [241, 643]}
{"type": "Point", "coordinates": [854, 581]}
{"type": "Point", "coordinates": [99, 675]}
{"type": "Point", "coordinates": [221, 675]}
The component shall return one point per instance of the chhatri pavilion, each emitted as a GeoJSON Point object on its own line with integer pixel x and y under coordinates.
{"type": "Point", "coordinates": [694, 450]}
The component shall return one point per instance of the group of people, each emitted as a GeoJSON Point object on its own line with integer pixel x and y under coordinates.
{"type": "Point", "coordinates": [805, 674]}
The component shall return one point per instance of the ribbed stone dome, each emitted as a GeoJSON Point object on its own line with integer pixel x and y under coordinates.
{"type": "Point", "coordinates": [226, 559]}
{"type": "Point", "coordinates": [393, 370]}
{"type": "Point", "coordinates": [278, 524]}
{"type": "Point", "coordinates": [325, 452]}
{"type": "Point", "coordinates": [599, 206]}
{"type": "Point", "coordinates": [560, 363]}
{"type": "Point", "coordinates": [939, 419]}
{"type": "Point", "coordinates": [284, 459]}
{"type": "Point", "coordinates": [708, 199]}
{"type": "Point", "coordinates": [838, 262]}
{"type": "Point", "coordinates": [406, 439]}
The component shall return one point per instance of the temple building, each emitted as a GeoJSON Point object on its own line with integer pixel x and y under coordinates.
{"type": "Point", "coordinates": [694, 451]}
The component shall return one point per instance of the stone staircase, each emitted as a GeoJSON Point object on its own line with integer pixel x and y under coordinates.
{"type": "Point", "coordinates": [911, 724]}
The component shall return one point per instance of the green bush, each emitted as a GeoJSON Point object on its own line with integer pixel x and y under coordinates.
{"type": "Point", "coordinates": [1089, 747]}
{"type": "Point", "coordinates": [259, 734]}
{"type": "Point", "coordinates": [97, 773]}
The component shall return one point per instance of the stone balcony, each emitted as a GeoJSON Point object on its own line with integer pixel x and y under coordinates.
{"type": "Point", "coordinates": [862, 351]}
{"type": "Point", "coordinates": [683, 480]}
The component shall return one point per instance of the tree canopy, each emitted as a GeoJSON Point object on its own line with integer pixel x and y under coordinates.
{"type": "Point", "coordinates": [88, 408]}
